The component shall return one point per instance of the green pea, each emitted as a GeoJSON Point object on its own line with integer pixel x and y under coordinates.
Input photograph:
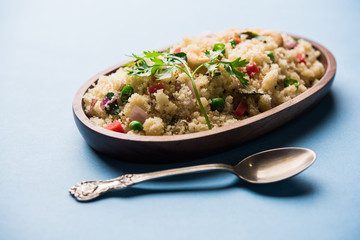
{"type": "Point", "coordinates": [126, 93]}
{"type": "Point", "coordinates": [217, 104]}
{"type": "Point", "coordinates": [136, 126]}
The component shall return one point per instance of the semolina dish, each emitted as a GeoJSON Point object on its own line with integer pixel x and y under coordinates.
{"type": "Point", "coordinates": [204, 82]}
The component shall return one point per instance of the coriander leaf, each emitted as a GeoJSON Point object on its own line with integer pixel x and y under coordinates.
{"type": "Point", "coordinates": [212, 69]}
{"type": "Point", "coordinates": [180, 55]}
{"type": "Point", "coordinates": [135, 56]}
{"type": "Point", "coordinates": [152, 54]}
{"type": "Point", "coordinates": [140, 69]}
{"type": "Point", "coordinates": [214, 56]}
{"type": "Point", "coordinates": [132, 64]}
{"type": "Point", "coordinates": [155, 69]}
{"type": "Point", "coordinates": [230, 69]}
{"type": "Point", "coordinates": [237, 63]}
{"type": "Point", "coordinates": [207, 54]}
{"type": "Point", "coordinates": [166, 73]}
{"type": "Point", "coordinates": [157, 61]}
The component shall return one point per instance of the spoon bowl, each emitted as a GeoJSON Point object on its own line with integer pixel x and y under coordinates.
{"type": "Point", "coordinates": [274, 165]}
{"type": "Point", "coordinates": [263, 167]}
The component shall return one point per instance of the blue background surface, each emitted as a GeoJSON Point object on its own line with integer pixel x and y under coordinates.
{"type": "Point", "coordinates": [49, 49]}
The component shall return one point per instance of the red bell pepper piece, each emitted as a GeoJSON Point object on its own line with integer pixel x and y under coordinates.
{"type": "Point", "coordinates": [241, 109]}
{"type": "Point", "coordinates": [301, 58]}
{"type": "Point", "coordinates": [237, 40]}
{"type": "Point", "coordinates": [154, 88]}
{"type": "Point", "coordinates": [177, 50]}
{"type": "Point", "coordinates": [251, 69]}
{"type": "Point", "coordinates": [116, 127]}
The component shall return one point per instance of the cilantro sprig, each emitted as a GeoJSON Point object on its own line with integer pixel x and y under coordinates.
{"type": "Point", "coordinates": [164, 65]}
{"type": "Point", "coordinates": [230, 67]}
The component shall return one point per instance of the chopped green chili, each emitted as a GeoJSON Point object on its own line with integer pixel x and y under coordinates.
{"type": "Point", "coordinates": [219, 47]}
{"type": "Point", "coordinates": [290, 81]}
{"type": "Point", "coordinates": [126, 93]}
{"type": "Point", "coordinates": [271, 55]}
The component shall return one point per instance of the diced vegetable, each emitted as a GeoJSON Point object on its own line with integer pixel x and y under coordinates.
{"type": "Point", "coordinates": [103, 102]}
{"type": "Point", "coordinates": [237, 40]}
{"type": "Point", "coordinates": [116, 127]}
{"type": "Point", "coordinates": [234, 41]}
{"type": "Point", "coordinates": [251, 69]}
{"type": "Point", "coordinates": [126, 93]}
{"type": "Point", "coordinates": [301, 58]}
{"type": "Point", "coordinates": [217, 104]}
{"type": "Point", "coordinates": [219, 47]}
{"type": "Point", "coordinates": [177, 50]}
{"type": "Point", "coordinates": [110, 104]}
{"type": "Point", "coordinates": [290, 81]}
{"type": "Point", "coordinates": [154, 88]}
{"type": "Point", "coordinates": [92, 104]}
{"type": "Point", "coordinates": [290, 45]}
{"type": "Point", "coordinates": [136, 126]}
{"type": "Point", "coordinates": [241, 109]}
{"type": "Point", "coordinates": [191, 87]}
{"type": "Point", "coordinates": [270, 55]}
{"type": "Point", "coordinates": [138, 114]}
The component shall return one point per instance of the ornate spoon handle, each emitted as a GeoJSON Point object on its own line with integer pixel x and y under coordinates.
{"type": "Point", "coordinates": [88, 190]}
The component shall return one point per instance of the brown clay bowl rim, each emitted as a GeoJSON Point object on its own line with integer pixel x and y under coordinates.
{"type": "Point", "coordinates": [330, 69]}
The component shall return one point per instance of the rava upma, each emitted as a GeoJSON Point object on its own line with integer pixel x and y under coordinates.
{"type": "Point", "coordinates": [204, 82]}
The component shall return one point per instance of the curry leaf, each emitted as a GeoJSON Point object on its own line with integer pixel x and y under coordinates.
{"type": "Point", "coordinates": [250, 35]}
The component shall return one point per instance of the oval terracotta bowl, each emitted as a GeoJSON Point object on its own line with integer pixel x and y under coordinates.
{"type": "Point", "coordinates": [195, 145]}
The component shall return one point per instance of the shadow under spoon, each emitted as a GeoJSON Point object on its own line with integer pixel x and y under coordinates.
{"type": "Point", "coordinates": [263, 167]}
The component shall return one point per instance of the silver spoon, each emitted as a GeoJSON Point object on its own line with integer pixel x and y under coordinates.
{"type": "Point", "coordinates": [263, 167]}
